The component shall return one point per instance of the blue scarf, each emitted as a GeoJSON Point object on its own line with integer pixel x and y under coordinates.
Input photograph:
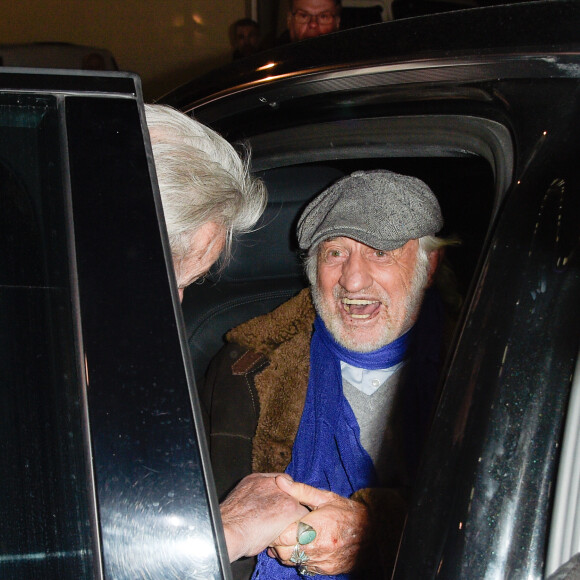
{"type": "Point", "coordinates": [327, 452]}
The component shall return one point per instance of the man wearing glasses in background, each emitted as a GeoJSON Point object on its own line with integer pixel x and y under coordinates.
{"type": "Point", "coordinates": [310, 18]}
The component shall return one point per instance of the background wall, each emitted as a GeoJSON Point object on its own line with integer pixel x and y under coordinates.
{"type": "Point", "coordinates": [165, 41]}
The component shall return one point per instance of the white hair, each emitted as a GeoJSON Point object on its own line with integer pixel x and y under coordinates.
{"type": "Point", "coordinates": [201, 179]}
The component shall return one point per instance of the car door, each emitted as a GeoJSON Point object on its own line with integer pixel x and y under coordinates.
{"type": "Point", "coordinates": [103, 469]}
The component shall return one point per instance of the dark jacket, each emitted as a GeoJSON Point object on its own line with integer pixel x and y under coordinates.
{"type": "Point", "coordinates": [254, 395]}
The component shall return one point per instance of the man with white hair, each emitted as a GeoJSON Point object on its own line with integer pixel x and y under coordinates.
{"type": "Point", "coordinates": [207, 192]}
{"type": "Point", "coordinates": [335, 387]}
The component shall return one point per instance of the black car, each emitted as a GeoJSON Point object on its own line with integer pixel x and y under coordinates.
{"type": "Point", "coordinates": [105, 472]}
{"type": "Point", "coordinates": [483, 105]}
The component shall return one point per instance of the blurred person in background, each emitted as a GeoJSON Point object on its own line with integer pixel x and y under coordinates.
{"type": "Point", "coordinates": [245, 37]}
{"type": "Point", "coordinates": [310, 18]}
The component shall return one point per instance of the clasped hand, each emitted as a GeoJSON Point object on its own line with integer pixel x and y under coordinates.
{"type": "Point", "coordinates": [339, 524]}
{"type": "Point", "coordinates": [255, 513]}
{"type": "Point", "coordinates": [264, 509]}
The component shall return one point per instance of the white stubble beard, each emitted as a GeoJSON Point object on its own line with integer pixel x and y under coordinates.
{"type": "Point", "coordinates": [388, 334]}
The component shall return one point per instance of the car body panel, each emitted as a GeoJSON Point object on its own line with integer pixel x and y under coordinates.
{"type": "Point", "coordinates": [511, 28]}
{"type": "Point", "coordinates": [504, 401]}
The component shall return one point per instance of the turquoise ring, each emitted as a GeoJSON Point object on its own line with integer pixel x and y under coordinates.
{"type": "Point", "coordinates": [305, 534]}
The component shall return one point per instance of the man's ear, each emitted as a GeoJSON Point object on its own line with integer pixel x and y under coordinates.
{"type": "Point", "coordinates": [435, 258]}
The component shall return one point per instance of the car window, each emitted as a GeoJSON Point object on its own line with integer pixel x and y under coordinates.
{"type": "Point", "coordinates": [564, 541]}
{"type": "Point", "coordinates": [47, 510]}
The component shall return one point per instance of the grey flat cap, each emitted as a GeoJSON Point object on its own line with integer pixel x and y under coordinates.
{"type": "Point", "coordinates": [379, 208]}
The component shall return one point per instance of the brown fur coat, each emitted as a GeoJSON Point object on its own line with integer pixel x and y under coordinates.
{"type": "Point", "coordinates": [283, 336]}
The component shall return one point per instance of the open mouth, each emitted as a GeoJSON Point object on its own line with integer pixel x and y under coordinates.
{"type": "Point", "coordinates": [357, 308]}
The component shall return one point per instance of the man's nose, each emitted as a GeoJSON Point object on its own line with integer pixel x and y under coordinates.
{"type": "Point", "coordinates": [355, 274]}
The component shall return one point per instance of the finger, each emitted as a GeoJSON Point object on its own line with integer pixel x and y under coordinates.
{"type": "Point", "coordinates": [285, 476]}
{"type": "Point", "coordinates": [282, 554]}
{"type": "Point", "coordinates": [285, 555]}
{"type": "Point", "coordinates": [298, 532]}
{"type": "Point", "coordinates": [287, 538]}
{"type": "Point", "coordinates": [305, 494]}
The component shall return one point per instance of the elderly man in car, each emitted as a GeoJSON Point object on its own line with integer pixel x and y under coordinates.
{"type": "Point", "coordinates": [335, 387]}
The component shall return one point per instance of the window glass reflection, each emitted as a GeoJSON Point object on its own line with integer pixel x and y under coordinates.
{"type": "Point", "coordinates": [45, 522]}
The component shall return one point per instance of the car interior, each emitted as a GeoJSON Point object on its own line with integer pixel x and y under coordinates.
{"type": "Point", "coordinates": [466, 162]}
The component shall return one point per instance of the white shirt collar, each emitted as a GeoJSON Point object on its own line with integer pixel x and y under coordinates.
{"type": "Point", "coordinates": [367, 381]}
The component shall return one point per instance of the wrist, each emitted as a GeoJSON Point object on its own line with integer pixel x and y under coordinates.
{"type": "Point", "coordinates": [234, 543]}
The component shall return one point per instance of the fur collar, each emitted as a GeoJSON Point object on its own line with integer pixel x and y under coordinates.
{"type": "Point", "coordinates": [283, 336]}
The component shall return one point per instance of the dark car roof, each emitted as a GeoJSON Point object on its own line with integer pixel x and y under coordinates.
{"type": "Point", "coordinates": [523, 26]}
